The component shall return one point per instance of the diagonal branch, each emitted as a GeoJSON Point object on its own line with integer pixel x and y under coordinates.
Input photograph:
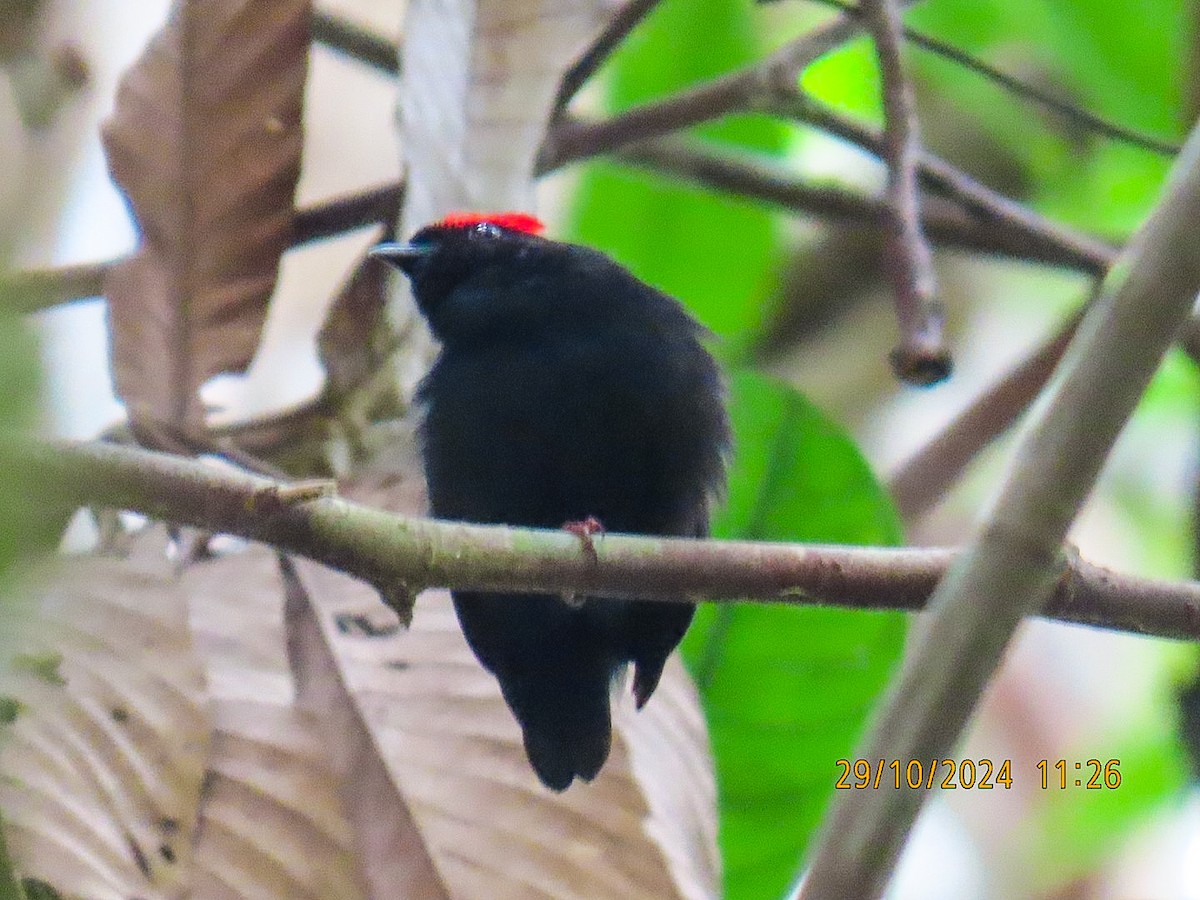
{"type": "Point", "coordinates": [741, 91]}
{"type": "Point", "coordinates": [623, 21]}
{"type": "Point", "coordinates": [951, 182]}
{"type": "Point", "coordinates": [953, 224]}
{"type": "Point", "coordinates": [388, 550]}
{"type": "Point", "coordinates": [1015, 561]}
{"type": "Point", "coordinates": [355, 42]}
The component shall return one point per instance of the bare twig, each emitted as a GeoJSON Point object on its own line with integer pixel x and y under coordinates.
{"type": "Point", "coordinates": [951, 182]}
{"type": "Point", "coordinates": [342, 214]}
{"type": "Point", "coordinates": [36, 289]}
{"type": "Point", "coordinates": [1069, 111]}
{"type": "Point", "coordinates": [386, 550]}
{"type": "Point", "coordinates": [355, 42]}
{"type": "Point", "coordinates": [745, 89]}
{"type": "Point", "coordinates": [1015, 561]}
{"type": "Point", "coordinates": [925, 477]}
{"type": "Point", "coordinates": [921, 356]}
{"type": "Point", "coordinates": [623, 21]}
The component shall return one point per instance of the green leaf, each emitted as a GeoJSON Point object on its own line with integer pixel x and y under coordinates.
{"type": "Point", "coordinates": [716, 254]}
{"type": "Point", "coordinates": [787, 690]}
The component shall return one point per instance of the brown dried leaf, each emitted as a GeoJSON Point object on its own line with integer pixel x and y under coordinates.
{"type": "Point", "coordinates": [205, 141]}
{"type": "Point", "coordinates": [101, 773]}
{"type": "Point", "coordinates": [462, 800]}
{"type": "Point", "coordinates": [272, 822]}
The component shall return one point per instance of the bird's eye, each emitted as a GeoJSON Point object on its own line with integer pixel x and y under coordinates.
{"type": "Point", "coordinates": [487, 229]}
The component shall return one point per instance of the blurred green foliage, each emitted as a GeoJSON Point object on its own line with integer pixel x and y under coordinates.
{"type": "Point", "coordinates": [786, 690]}
{"type": "Point", "coordinates": [23, 526]}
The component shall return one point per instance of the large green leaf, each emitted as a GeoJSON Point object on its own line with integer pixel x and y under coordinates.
{"type": "Point", "coordinates": [716, 253]}
{"type": "Point", "coordinates": [786, 691]}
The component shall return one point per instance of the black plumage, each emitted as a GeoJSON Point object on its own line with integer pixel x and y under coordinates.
{"type": "Point", "coordinates": [565, 389]}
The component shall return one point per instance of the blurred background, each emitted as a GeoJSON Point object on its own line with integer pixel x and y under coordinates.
{"type": "Point", "coordinates": [802, 300]}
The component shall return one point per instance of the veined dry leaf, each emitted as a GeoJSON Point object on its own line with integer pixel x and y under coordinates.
{"type": "Point", "coordinates": [437, 774]}
{"type": "Point", "coordinates": [205, 141]}
{"type": "Point", "coordinates": [461, 795]}
{"type": "Point", "coordinates": [271, 820]}
{"type": "Point", "coordinates": [100, 774]}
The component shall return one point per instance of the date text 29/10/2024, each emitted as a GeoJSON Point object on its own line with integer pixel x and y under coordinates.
{"type": "Point", "coordinates": [974, 774]}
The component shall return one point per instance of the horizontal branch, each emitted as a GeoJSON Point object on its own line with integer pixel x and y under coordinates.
{"type": "Point", "coordinates": [389, 550]}
{"type": "Point", "coordinates": [34, 289]}
{"type": "Point", "coordinates": [948, 222]}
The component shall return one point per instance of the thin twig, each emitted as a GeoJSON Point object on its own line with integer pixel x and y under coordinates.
{"type": "Point", "coordinates": [925, 477]}
{"type": "Point", "coordinates": [341, 214]}
{"type": "Point", "coordinates": [386, 550]}
{"type": "Point", "coordinates": [949, 181]}
{"type": "Point", "coordinates": [921, 356]}
{"type": "Point", "coordinates": [1070, 111]}
{"type": "Point", "coordinates": [737, 91]}
{"type": "Point", "coordinates": [1015, 561]}
{"type": "Point", "coordinates": [355, 42]}
{"type": "Point", "coordinates": [623, 21]}
{"type": "Point", "coordinates": [35, 289]}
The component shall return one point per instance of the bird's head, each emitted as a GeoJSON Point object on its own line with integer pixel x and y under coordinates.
{"type": "Point", "coordinates": [473, 271]}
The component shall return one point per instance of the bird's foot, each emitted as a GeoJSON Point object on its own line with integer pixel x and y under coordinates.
{"type": "Point", "coordinates": [584, 530]}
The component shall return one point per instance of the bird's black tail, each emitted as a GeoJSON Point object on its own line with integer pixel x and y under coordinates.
{"type": "Point", "coordinates": [567, 727]}
{"type": "Point", "coordinates": [554, 665]}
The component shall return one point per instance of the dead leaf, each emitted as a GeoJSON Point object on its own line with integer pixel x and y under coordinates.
{"type": "Point", "coordinates": [461, 793]}
{"type": "Point", "coordinates": [271, 823]}
{"type": "Point", "coordinates": [205, 141]}
{"type": "Point", "coordinates": [395, 858]}
{"type": "Point", "coordinates": [101, 773]}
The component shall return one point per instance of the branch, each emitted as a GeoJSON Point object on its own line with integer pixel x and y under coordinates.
{"type": "Point", "coordinates": [623, 21]}
{"type": "Point", "coordinates": [739, 91]}
{"type": "Point", "coordinates": [1013, 564]}
{"type": "Point", "coordinates": [761, 177]}
{"type": "Point", "coordinates": [355, 42]}
{"type": "Point", "coordinates": [35, 289]}
{"type": "Point", "coordinates": [388, 550]}
{"type": "Point", "coordinates": [1092, 254]}
{"type": "Point", "coordinates": [1070, 111]}
{"type": "Point", "coordinates": [921, 356]}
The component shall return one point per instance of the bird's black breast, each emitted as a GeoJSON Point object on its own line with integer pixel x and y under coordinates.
{"type": "Point", "coordinates": [534, 434]}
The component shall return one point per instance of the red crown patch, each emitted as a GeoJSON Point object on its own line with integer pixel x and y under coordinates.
{"type": "Point", "coordinates": [513, 221]}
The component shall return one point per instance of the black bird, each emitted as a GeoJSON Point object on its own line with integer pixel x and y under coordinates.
{"type": "Point", "coordinates": [566, 390]}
